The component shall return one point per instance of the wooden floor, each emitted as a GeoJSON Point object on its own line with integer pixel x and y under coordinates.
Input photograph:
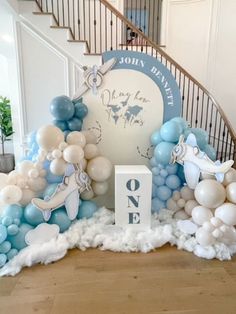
{"type": "Point", "coordinates": [165, 281]}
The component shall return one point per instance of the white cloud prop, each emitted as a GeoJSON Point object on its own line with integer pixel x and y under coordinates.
{"type": "Point", "coordinates": [42, 233]}
{"type": "Point", "coordinates": [99, 232]}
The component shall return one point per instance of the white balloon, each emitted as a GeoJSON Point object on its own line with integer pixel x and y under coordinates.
{"type": "Point", "coordinates": [21, 182]}
{"type": "Point", "coordinates": [99, 169]}
{"type": "Point", "coordinates": [43, 173]}
{"type": "Point", "coordinates": [216, 222]}
{"type": "Point", "coordinates": [25, 166]}
{"type": "Point", "coordinates": [62, 146]}
{"type": "Point", "coordinates": [38, 184]}
{"type": "Point", "coordinates": [49, 157]}
{"type": "Point", "coordinates": [230, 176]}
{"type": "Point", "coordinates": [231, 192]}
{"type": "Point", "coordinates": [100, 188]}
{"type": "Point", "coordinates": [210, 193]}
{"type": "Point", "coordinates": [90, 136]}
{"type": "Point", "coordinates": [3, 180]}
{"type": "Point", "coordinates": [91, 151]}
{"type": "Point", "coordinates": [11, 194]}
{"type": "Point", "coordinates": [207, 225]}
{"type": "Point", "coordinates": [201, 214]}
{"type": "Point", "coordinates": [33, 173]}
{"type": "Point", "coordinates": [12, 177]}
{"type": "Point", "coordinates": [181, 214]}
{"type": "Point", "coordinates": [189, 206]}
{"type": "Point", "coordinates": [38, 165]}
{"type": "Point", "coordinates": [73, 154]}
{"type": "Point", "coordinates": [49, 137]}
{"type": "Point", "coordinates": [58, 167]}
{"type": "Point", "coordinates": [27, 196]}
{"type": "Point", "coordinates": [87, 195]}
{"type": "Point", "coordinates": [187, 194]}
{"type": "Point", "coordinates": [76, 138]}
{"type": "Point", "coordinates": [204, 237]}
{"type": "Point", "coordinates": [56, 153]}
{"type": "Point", "coordinates": [227, 213]}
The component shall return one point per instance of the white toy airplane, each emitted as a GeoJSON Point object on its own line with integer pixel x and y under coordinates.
{"type": "Point", "coordinates": [196, 162]}
{"type": "Point", "coordinates": [68, 192]}
{"type": "Point", "coordinates": [93, 77]}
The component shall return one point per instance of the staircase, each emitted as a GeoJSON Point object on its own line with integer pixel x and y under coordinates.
{"type": "Point", "coordinates": [95, 26]}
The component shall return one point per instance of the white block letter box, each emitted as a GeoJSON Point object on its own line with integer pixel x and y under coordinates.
{"type": "Point", "coordinates": [133, 193]}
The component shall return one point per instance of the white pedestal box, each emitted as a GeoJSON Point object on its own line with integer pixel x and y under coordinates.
{"type": "Point", "coordinates": [133, 194]}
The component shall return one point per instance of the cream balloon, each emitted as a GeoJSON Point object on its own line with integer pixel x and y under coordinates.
{"type": "Point", "coordinates": [181, 214]}
{"type": "Point", "coordinates": [181, 203]}
{"type": "Point", "coordinates": [91, 151]}
{"type": "Point", "coordinates": [100, 188]}
{"type": "Point", "coordinates": [3, 180]}
{"type": "Point", "coordinates": [43, 173]}
{"type": "Point", "coordinates": [58, 167]}
{"type": "Point", "coordinates": [189, 206]}
{"type": "Point", "coordinates": [210, 193]}
{"type": "Point", "coordinates": [37, 185]}
{"type": "Point", "coordinates": [227, 213]}
{"type": "Point", "coordinates": [83, 164]}
{"type": "Point", "coordinates": [25, 166]}
{"type": "Point", "coordinates": [33, 173]}
{"type": "Point", "coordinates": [186, 193]}
{"type": "Point", "coordinates": [49, 137]}
{"type": "Point", "coordinates": [11, 194]}
{"type": "Point", "coordinates": [21, 182]}
{"type": "Point", "coordinates": [99, 169]}
{"type": "Point", "coordinates": [204, 237]}
{"type": "Point", "coordinates": [172, 205]}
{"type": "Point", "coordinates": [27, 196]}
{"type": "Point", "coordinates": [76, 138]}
{"type": "Point", "coordinates": [90, 136]}
{"type": "Point", "coordinates": [229, 177]}
{"type": "Point", "coordinates": [62, 146]}
{"type": "Point", "coordinates": [207, 225]}
{"type": "Point", "coordinates": [73, 154]}
{"type": "Point", "coordinates": [231, 192]}
{"type": "Point", "coordinates": [87, 195]}
{"type": "Point", "coordinates": [56, 153]}
{"type": "Point", "coordinates": [201, 214]}
{"type": "Point", "coordinates": [12, 177]}
{"type": "Point", "coordinates": [176, 195]}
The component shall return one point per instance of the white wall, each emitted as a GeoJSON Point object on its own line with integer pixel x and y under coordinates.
{"type": "Point", "coordinates": [200, 35]}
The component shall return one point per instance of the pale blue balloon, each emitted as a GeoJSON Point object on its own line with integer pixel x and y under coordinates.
{"type": "Point", "coordinates": [5, 247]}
{"type": "Point", "coordinates": [12, 253]}
{"type": "Point", "coordinates": [157, 205]}
{"type": "Point", "coordinates": [163, 173]}
{"type": "Point", "coordinates": [3, 233]}
{"type": "Point", "coordinates": [182, 122]}
{"type": "Point", "coordinates": [7, 221]}
{"type": "Point", "coordinates": [87, 209]}
{"type": "Point", "coordinates": [173, 181]}
{"type": "Point", "coordinates": [62, 108]}
{"type": "Point", "coordinates": [13, 211]}
{"type": "Point", "coordinates": [52, 178]}
{"type": "Point", "coordinates": [3, 259]}
{"type": "Point", "coordinates": [154, 188]}
{"type": "Point", "coordinates": [172, 169]}
{"type": "Point", "coordinates": [210, 151]}
{"type": "Point", "coordinates": [50, 189]}
{"type": "Point", "coordinates": [18, 240]}
{"type": "Point", "coordinates": [16, 221]}
{"type": "Point", "coordinates": [171, 131]}
{"type": "Point", "coordinates": [12, 229]}
{"type": "Point", "coordinates": [158, 180]}
{"type": "Point", "coordinates": [153, 162]}
{"type": "Point", "coordinates": [33, 215]}
{"type": "Point", "coordinates": [156, 138]}
{"type": "Point", "coordinates": [60, 218]}
{"type": "Point", "coordinates": [164, 193]}
{"type": "Point", "coordinates": [163, 151]}
{"type": "Point", "coordinates": [155, 171]}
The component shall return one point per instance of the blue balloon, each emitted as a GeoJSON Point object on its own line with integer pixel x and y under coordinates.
{"type": "Point", "coordinates": [172, 169]}
{"type": "Point", "coordinates": [62, 108]}
{"type": "Point", "coordinates": [12, 253]}
{"type": "Point", "coordinates": [163, 151]}
{"type": "Point", "coordinates": [173, 181]}
{"type": "Point", "coordinates": [182, 122]}
{"type": "Point", "coordinates": [156, 138]}
{"type": "Point", "coordinates": [60, 124]}
{"type": "Point", "coordinates": [81, 110]}
{"type": "Point", "coordinates": [75, 124]}
{"type": "Point", "coordinates": [5, 247]}
{"type": "Point", "coordinates": [87, 209]}
{"type": "Point", "coordinates": [18, 240]}
{"type": "Point", "coordinates": [31, 138]}
{"type": "Point", "coordinates": [12, 229]}
{"type": "Point", "coordinates": [163, 193]}
{"type": "Point", "coordinates": [52, 178]}
{"type": "Point", "coordinates": [3, 259]}
{"type": "Point", "coordinates": [33, 215]}
{"type": "Point", "coordinates": [158, 180]}
{"type": "Point", "coordinates": [153, 162]}
{"type": "Point", "coordinates": [7, 221]}
{"type": "Point", "coordinates": [60, 218]}
{"type": "Point", "coordinates": [155, 171]}
{"type": "Point", "coordinates": [171, 131]}
{"type": "Point", "coordinates": [180, 174]}
{"type": "Point", "coordinates": [210, 151]}
{"type": "Point", "coordinates": [16, 221]}
{"type": "Point", "coordinates": [3, 233]}
{"type": "Point", "coordinates": [154, 192]}
{"type": "Point", "coordinates": [163, 173]}
{"type": "Point", "coordinates": [157, 204]}
{"type": "Point", "coordinates": [13, 211]}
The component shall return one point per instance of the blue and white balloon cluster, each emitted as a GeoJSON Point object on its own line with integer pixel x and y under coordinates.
{"type": "Point", "coordinates": [167, 177]}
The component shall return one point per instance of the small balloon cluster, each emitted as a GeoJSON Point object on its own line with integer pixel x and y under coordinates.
{"type": "Point", "coordinates": [38, 175]}
{"type": "Point", "coordinates": [169, 178]}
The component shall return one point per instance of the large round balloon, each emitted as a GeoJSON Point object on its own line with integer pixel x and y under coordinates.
{"type": "Point", "coordinates": [231, 192]}
{"type": "Point", "coordinates": [171, 131]}
{"type": "Point", "coordinates": [87, 209]}
{"type": "Point", "coordinates": [62, 108]}
{"type": "Point", "coordinates": [210, 193]}
{"type": "Point", "coordinates": [33, 215]}
{"type": "Point", "coordinates": [60, 218]}
{"type": "Point", "coordinates": [49, 137]}
{"type": "Point", "coordinates": [227, 213]}
{"type": "Point", "coordinates": [99, 169]}
{"type": "Point", "coordinates": [11, 194]}
{"type": "Point", "coordinates": [73, 154]}
{"type": "Point", "coordinates": [201, 214]}
{"type": "Point", "coordinates": [162, 152]}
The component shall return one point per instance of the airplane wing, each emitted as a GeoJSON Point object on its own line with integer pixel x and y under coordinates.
{"type": "Point", "coordinates": [107, 66]}
{"type": "Point", "coordinates": [82, 89]}
{"type": "Point", "coordinates": [192, 174]}
{"type": "Point", "coordinates": [72, 204]}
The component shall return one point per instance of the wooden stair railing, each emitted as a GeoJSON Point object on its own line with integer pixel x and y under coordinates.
{"type": "Point", "coordinates": [104, 28]}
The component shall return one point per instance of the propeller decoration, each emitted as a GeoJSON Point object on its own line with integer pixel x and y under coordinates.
{"type": "Point", "coordinates": [93, 78]}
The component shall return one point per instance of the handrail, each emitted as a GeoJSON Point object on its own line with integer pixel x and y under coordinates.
{"type": "Point", "coordinates": [103, 28]}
